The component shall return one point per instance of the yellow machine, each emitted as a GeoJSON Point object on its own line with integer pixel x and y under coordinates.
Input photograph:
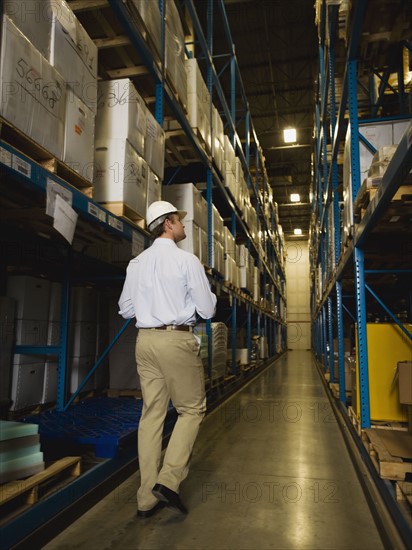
{"type": "Point", "coordinates": [387, 345]}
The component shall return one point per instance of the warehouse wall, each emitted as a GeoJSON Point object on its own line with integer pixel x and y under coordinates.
{"type": "Point", "coordinates": [298, 295]}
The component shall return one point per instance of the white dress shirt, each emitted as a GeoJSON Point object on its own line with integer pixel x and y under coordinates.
{"type": "Point", "coordinates": [166, 286]}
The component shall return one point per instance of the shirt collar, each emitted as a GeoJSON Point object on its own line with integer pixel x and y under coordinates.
{"type": "Point", "coordinates": [164, 242]}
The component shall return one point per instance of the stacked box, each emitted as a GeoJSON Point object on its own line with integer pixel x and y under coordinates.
{"type": "Point", "coordinates": [154, 188]}
{"type": "Point", "coordinates": [120, 175]}
{"type": "Point", "coordinates": [154, 146]}
{"type": "Point", "coordinates": [54, 30]}
{"type": "Point", "coordinates": [78, 148]}
{"type": "Point", "coordinates": [150, 14]}
{"type": "Point", "coordinates": [191, 243]}
{"type": "Point", "coordinates": [82, 336]}
{"type": "Point", "coordinates": [175, 52]}
{"type": "Point", "coordinates": [33, 93]}
{"type": "Point", "coordinates": [203, 247]}
{"type": "Point", "coordinates": [256, 284]}
{"type": "Point", "coordinates": [219, 347]}
{"type": "Point", "coordinates": [379, 135]}
{"type": "Point", "coordinates": [218, 260]}
{"type": "Point", "coordinates": [27, 381]}
{"type": "Point", "coordinates": [32, 296]}
{"type": "Point", "coordinates": [185, 196]}
{"type": "Point", "coordinates": [217, 225]}
{"type": "Point", "coordinates": [229, 242]}
{"type": "Point", "coordinates": [198, 101]}
{"type": "Point", "coordinates": [49, 394]}
{"type": "Point", "coordinates": [228, 168]}
{"type": "Point", "coordinates": [121, 114]}
{"type": "Point", "coordinates": [122, 358]}
{"type": "Point", "coordinates": [218, 138]}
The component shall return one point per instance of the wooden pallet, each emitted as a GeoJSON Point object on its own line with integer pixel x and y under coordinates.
{"type": "Point", "coordinates": [69, 466]}
{"type": "Point", "coordinates": [29, 148]}
{"type": "Point", "coordinates": [387, 465]}
{"type": "Point", "coordinates": [363, 198]}
{"type": "Point", "coordinates": [404, 491]}
{"type": "Point", "coordinates": [334, 388]}
{"type": "Point", "coordinates": [121, 210]}
{"type": "Point", "coordinates": [355, 420]}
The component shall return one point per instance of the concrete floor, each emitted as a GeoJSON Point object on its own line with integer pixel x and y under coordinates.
{"type": "Point", "coordinates": [270, 470]}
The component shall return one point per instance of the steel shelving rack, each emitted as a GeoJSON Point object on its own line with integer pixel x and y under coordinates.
{"type": "Point", "coordinates": [344, 268]}
{"type": "Point", "coordinates": [330, 128]}
{"type": "Point", "coordinates": [30, 180]}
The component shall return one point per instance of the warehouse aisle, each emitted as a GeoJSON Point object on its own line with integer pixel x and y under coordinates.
{"type": "Point", "coordinates": [270, 471]}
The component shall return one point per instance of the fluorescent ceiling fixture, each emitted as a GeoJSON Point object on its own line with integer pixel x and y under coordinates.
{"type": "Point", "coordinates": [294, 197]}
{"type": "Point", "coordinates": [289, 135]}
{"type": "Point", "coordinates": [297, 231]}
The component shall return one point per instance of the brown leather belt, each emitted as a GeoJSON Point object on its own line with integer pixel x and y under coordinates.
{"type": "Point", "coordinates": [186, 328]}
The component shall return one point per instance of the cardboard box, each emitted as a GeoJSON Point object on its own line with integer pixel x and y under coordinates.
{"type": "Point", "coordinates": [154, 188]}
{"type": "Point", "coordinates": [191, 243]}
{"type": "Point", "coordinates": [185, 196]}
{"type": "Point", "coordinates": [154, 145]}
{"type": "Point", "coordinates": [54, 30]}
{"type": "Point", "coordinates": [33, 93]}
{"type": "Point", "coordinates": [120, 175]}
{"type": "Point", "coordinates": [405, 382]}
{"type": "Point", "coordinates": [27, 381]}
{"type": "Point", "coordinates": [121, 114]}
{"type": "Point", "coordinates": [78, 152]}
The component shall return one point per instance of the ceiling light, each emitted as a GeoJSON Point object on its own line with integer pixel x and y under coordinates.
{"type": "Point", "coordinates": [294, 197]}
{"type": "Point", "coordinates": [297, 231]}
{"type": "Point", "coordinates": [289, 135]}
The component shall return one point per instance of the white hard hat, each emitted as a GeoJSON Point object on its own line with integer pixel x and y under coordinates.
{"type": "Point", "coordinates": [161, 208]}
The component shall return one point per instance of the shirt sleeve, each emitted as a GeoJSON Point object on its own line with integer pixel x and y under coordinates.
{"type": "Point", "coordinates": [199, 289]}
{"type": "Point", "coordinates": [126, 309]}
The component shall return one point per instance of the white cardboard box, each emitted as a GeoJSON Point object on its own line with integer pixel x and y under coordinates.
{"type": "Point", "coordinates": [121, 113]}
{"type": "Point", "coordinates": [32, 295]}
{"type": "Point", "coordinates": [52, 28]}
{"type": "Point", "coordinates": [185, 196]}
{"type": "Point", "coordinates": [79, 136]}
{"type": "Point", "coordinates": [27, 381]}
{"type": "Point", "coordinates": [79, 367]}
{"type": "Point", "coordinates": [154, 146]}
{"type": "Point", "coordinates": [154, 188]}
{"type": "Point", "coordinates": [120, 175]}
{"type": "Point", "coordinates": [191, 243]}
{"type": "Point", "coordinates": [33, 94]}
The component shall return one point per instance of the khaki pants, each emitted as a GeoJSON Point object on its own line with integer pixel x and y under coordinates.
{"type": "Point", "coordinates": [169, 367]}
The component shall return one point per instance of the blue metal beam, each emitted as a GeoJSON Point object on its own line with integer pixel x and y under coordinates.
{"type": "Point", "coordinates": [362, 339]}
{"type": "Point", "coordinates": [341, 349]}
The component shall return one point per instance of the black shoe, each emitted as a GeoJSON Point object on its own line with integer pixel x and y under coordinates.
{"type": "Point", "coordinates": [168, 496]}
{"type": "Point", "coordinates": [149, 513]}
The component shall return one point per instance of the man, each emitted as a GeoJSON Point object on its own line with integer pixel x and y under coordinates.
{"type": "Point", "coordinates": [165, 288]}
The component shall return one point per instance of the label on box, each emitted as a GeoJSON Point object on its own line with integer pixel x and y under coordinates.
{"type": "Point", "coordinates": [5, 157]}
{"type": "Point", "coordinates": [21, 166]}
{"type": "Point", "coordinates": [53, 189]}
{"type": "Point", "coordinates": [114, 222]}
{"type": "Point", "coordinates": [97, 212]}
